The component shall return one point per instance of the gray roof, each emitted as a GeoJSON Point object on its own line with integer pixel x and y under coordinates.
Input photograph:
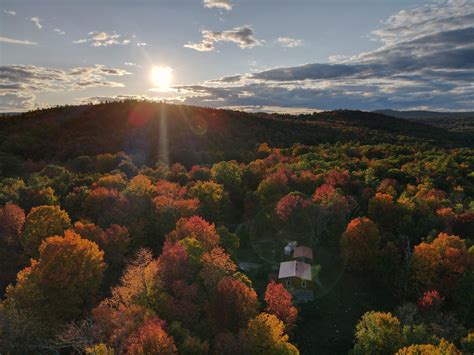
{"type": "Point", "coordinates": [295, 268]}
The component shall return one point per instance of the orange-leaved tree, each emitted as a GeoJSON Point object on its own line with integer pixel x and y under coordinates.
{"type": "Point", "coordinates": [233, 304]}
{"type": "Point", "coordinates": [439, 265]}
{"type": "Point", "coordinates": [360, 244]}
{"type": "Point", "coordinates": [62, 283]}
{"type": "Point", "coordinates": [151, 338]}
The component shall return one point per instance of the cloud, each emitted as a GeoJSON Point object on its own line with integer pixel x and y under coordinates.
{"type": "Point", "coordinates": [37, 22]}
{"type": "Point", "coordinates": [243, 36]}
{"type": "Point", "coordinates": [289, 42]}
{"type": "Point", "coordinates": [141, 44]}
{"type": "Point", "coordinates": [59, 31]}
{"type": "Point", "coordinates": [15, 101]}
{"type": "Point", "coordinates": [10, 12]}
{"type": "Point", "coordinates": [103, 39]}
{"type": "Point", "coordinates": [425, 60]}
{"type": "Point", "coordinates": [314, 71]}
{"type": "Point", "coordinates": [19, 84]}
{"type": "Point", "coordinates": [17, 41]}
{"type": "Point", "coordinates": [228, 79]}
{"type": "Point", "coordinates": [407, 25]}
{"type": "Point", "coordinates": [97, 70]}
{"type": "Point", "coordinates": [336, 58]}
{"type": "Point", "coordinates": [220, 4]}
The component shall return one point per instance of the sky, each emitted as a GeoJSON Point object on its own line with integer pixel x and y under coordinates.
{"type": "Point", "coordinates": [266, 55]}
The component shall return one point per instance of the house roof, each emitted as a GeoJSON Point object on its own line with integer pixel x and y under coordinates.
{"type": "Point", "coordinates": [303, 252]}
{"type": "Point", "coordinates": [295, 268]}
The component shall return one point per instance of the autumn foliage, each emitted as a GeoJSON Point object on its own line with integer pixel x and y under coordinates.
{"type": "Point", "coordinates": [196, 227]}
{"type": "Point", "coordinates": [233, 304]}
{"type": "Point", "coordinates": [429, 349]}
{"type": "Point", "coordinates": [151, 338]}
{"type": "Point", "coordinates": [215, 265]}
{"type": "Point", "coordinates": [440, 264]}
{"type": "Point", "coordinates": [265, 335]}
{"type": "Point", "coordinates": [290, 205]}
{"type": "Point", "coordinates": [378, 333]}
{"type": "Point", "coordinates": [360, 244]}
{"type": "Point", "coordinates": [113, 241]}
{"type": "Point", "coordinates": [42, 222]}
{"type": "Point", "coordinates": [65, 278]}
{"type": "Point", "coordinates": [430, 301]}
{"type": "Point", "coordinates": [279, 303]}
{"type": "Point", "coordinates": [12, 219]}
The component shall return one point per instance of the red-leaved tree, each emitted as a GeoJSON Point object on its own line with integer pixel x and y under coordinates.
{"type": "Point", "coordinates": [278, 301]}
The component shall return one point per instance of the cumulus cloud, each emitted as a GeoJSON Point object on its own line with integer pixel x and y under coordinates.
{"type": "Point", "coordinates": [425, 20]}
{"type": "Point", "coordinates": [289, 42]}
{"type": "Point", "coordinates": [19, 84]}
{"type": "Point", "coordinates": [10, 12]}
{"type": "Point", "coordinates": [243, 36]}
{"type": "Point", "coordinates": [17, 41]}
{"type": "Point", "coordinates": [425, 60]}
{"type": "Point", "coordinates": [220, 4]}
{"type": "Point", "coordinates": [141, 44]}
{"type": "Point", "coordinates": [15, 101]}
{"type": "Point", "coordinates": [103, 39]}
{"type": "Point", "coordinates": [37, 22]}
{"type": "Point", "coordinates": [59, 31]}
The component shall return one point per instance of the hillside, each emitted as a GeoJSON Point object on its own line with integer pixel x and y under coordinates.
{"type": "Point", "coordinates": [421, 114]}
{"type": "Point", "coordinates": [194, 134]}
{"type": "Point", "coordinates": [453, 121]}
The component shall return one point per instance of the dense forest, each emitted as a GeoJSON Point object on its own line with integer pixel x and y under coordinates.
{"type": "Point", "coordinates": [129, 228]}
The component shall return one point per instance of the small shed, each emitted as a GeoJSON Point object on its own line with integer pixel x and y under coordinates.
{"type": "Point", "coordinates": [303, 253]}
{"type": "Point", "coordinates": [290, 247]}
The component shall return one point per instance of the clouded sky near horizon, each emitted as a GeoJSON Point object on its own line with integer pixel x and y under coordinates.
{"type": "Point", "coordinates": [278, 55]}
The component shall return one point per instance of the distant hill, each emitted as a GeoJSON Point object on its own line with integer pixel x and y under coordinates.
{"type": "Point", "coordinates": [10, 113]}
{"type": "Point", "coordinates": [195, 134]}
{"type": "Point", "coordinates": [453, 121]}
{"type": "Point", "coordinates": [425, 114]}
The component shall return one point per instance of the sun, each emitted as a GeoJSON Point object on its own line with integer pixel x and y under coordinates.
{"type": "Point", "coordinates": [162, 77]}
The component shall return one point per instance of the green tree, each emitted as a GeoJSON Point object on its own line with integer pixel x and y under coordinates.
{"type": "Point", "coordinates": [378, 333]}
{"type": "Point", "coordinates": [42, 222]}
{"type": "Point", "coordinates": [229, 174]}
{"type": "Point", "coordinates": [211, 197]}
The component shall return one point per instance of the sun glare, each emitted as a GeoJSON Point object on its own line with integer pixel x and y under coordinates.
{"type": "Point", "coordinates": [162, 77]}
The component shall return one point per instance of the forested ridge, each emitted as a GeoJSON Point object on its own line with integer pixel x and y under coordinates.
{"type": "Point", "coordinates": [211, 135]}
{"type": "Point", "coordinates": [125, 228]}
